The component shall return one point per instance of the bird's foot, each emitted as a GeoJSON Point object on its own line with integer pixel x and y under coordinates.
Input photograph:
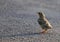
{"type": "Point", "coordinates": [43, 32]}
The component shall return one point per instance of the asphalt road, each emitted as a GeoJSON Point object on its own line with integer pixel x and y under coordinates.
{"type": "Point", "coordinates": [18, 20]}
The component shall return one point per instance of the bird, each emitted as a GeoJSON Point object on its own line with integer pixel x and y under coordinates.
{"type": "Point", "coordinates": [43, 22]}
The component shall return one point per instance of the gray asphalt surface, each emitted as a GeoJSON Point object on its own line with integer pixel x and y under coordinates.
{"type": "Point", "coordinates": [18, 20]}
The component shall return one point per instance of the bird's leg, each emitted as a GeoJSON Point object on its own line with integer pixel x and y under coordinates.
{"type": "Point", "coordinates": [44, 31]}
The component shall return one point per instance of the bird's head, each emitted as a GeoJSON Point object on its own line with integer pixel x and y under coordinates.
{"type": "Point", "coordinates": [41, 15]}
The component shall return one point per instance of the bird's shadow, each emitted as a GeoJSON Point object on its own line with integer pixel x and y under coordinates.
{"type": "Point", "coordinates": [28, 34]}
{"type": "Point", "coordinates": [24, 34]}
